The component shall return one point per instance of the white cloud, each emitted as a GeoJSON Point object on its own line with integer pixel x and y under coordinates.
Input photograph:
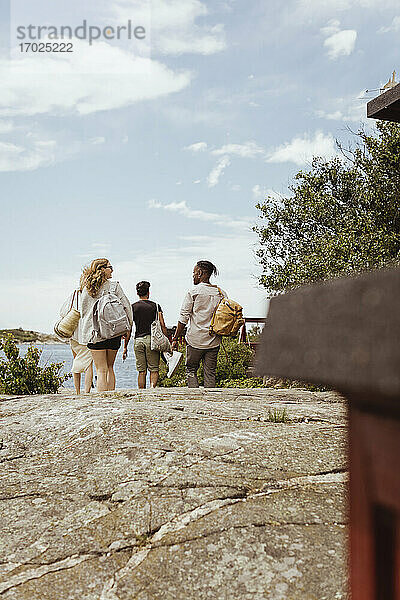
{"type": "Point", "coordinates": [27, 158]}
{"type": "Point", "coordinates": [247, 150]}
{"type": "Point", "coordinates": [217, 171]}
{"type": "Point", "coordinates": [260, 193]}
{"type": "Point", "coordinates": [300, 150]}
{"type": "Point", "coordinates": [394, 26]}
{"type": "Point", "coordinates": [340, 42]}
{"type": "Point", "coordinates": [196, 181]}
{"type": "Point", "coordinates": [187, 115]}
{"type": "Point", "coordinates": [98, 140]}
{"type": "Point", "coordinates": [6, 126]}
{"type": "Point", "coordinates": [222, 220]}
{"type": "Point", "coordinates": [197, 147]}
{"type": "Point", "coordinates": [331, 28]}
{"type": "Point", "coordinates": [348, 109]}
{"type": "Point", "coordinates": [73, 84]}
{"type": "Point", "coordinates": [337, 115]}
{"type": "Point", "coordinates": [316, 7]}
{"type": "Point", "coordinates": [196, 41]}
{"type": "Point", "coordinates": [174, 27]}
{"type": "Point", "coordinates": [30, 147]}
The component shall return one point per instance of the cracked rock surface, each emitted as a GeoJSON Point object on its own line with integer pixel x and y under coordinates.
{"type": "Point", "coordinates": [173, 494]}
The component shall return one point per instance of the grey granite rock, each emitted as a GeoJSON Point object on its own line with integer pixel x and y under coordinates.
{"type": "Point", "coordinates": [181, 494]}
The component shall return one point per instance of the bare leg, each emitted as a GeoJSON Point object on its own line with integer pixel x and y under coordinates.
{"type": "Point", "coordinates": [111, 356]}
{"type": "Point", "coordinates": [100, 361]}
{"type": "Point", "coordinates": [142, 380]}
{"type": "Point", "coordinates": [77, 383]}
{"type": "Point", "coordinates": [77, 378]}
{"type": "Point", "coordinates": [88, 378]}
{"type": "Point", "coordinates": [153, 378]}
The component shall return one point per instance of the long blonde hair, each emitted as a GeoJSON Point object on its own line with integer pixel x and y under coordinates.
{"type": "Point", "coordinates": [94, 276]}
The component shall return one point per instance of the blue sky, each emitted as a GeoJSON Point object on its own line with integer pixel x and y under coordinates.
{"type": "Point", "coordinates": [157, 160]}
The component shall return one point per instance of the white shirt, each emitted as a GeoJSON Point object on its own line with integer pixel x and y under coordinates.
{"type": "Point", "coordinates": [197, 310]}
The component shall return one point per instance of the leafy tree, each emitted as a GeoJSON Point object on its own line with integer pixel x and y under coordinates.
{"type": "Point", "coordinates": [23, 375]}
{"type": "Point", "coordinates": [342, 218]}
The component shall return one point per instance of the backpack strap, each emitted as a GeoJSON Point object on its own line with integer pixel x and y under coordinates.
{"type": "Point", "coordinates": [77, 299]}
{"type": "Point", "coordinates": [157, 311]}
{"type": "Point", "coordinates": [216, 308]}
{"type": "Point", "coordinates": [218, 288]}
{"type": "Point", "coordinates": [73, 298]}
{"type": "Point", "coordinates": [96, 328]}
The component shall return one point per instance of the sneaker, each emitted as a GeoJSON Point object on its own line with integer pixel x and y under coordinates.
{"type": "Point", "coordinates": [173, 359]}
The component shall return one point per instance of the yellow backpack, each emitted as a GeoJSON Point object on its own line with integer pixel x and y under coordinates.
{"type": "Point", "coordinates": [227, 318]}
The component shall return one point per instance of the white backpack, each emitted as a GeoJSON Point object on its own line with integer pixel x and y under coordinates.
{"type": "Point", "coordinates": [109, 317]}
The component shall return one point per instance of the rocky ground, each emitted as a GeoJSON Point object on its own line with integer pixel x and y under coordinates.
{"type": "Point", "coordinates": [173, 494]}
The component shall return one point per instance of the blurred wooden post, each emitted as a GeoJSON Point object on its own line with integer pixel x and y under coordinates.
{"type": "Point", "coordinates": [345, 333]}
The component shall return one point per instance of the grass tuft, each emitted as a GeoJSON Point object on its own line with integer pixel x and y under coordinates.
{"type": "Point", "coordinates": [277, 416]}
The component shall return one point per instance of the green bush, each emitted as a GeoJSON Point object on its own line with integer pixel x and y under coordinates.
{"type": "Point", "coordinates": [233, 360]}
{"type": "Point", "coordinates": [232, 364]}
{"type": "Point", "coordinates": [23, 375]}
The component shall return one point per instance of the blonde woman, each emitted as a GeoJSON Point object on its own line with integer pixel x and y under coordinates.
{"type": "Point", "coordinates": [96, 283]}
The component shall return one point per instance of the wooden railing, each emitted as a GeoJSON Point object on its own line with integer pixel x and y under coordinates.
{"type": "Point", "coordinates": [345, 334]}
{"type": "Point", "coordinates": [243, 338]}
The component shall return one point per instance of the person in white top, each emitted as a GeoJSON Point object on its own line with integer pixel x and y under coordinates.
{"type": "Point", "coordinates": [96, 283]}
{"type": "Point", "coordinates": [83, 361]}
{"type": "Point", "coordinates": [196, 312]}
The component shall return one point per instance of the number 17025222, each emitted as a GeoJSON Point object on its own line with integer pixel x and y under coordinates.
{"type": "Point", "coordinates": [47, 47]}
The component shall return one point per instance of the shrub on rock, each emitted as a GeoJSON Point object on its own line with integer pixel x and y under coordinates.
{"type": "Point", "coordinates": [23, 375]}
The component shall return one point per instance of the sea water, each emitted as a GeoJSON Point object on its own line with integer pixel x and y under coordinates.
{"type": "Point", "coordinates": [125, 371]}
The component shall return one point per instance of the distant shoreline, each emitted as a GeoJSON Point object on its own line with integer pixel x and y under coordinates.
{"type": "Point", "coordinates": [45, 343]}
{"type": "Point", "coordinates": [23, 336]}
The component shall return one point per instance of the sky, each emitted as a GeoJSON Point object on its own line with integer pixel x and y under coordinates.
{"type": "Point", "coordinates": [154, 153]}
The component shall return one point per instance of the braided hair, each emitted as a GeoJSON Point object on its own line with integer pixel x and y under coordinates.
{"type": "Point", "coordinates": [208, 267]}
{"type": "Point", "coordinates": [94, 276]}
